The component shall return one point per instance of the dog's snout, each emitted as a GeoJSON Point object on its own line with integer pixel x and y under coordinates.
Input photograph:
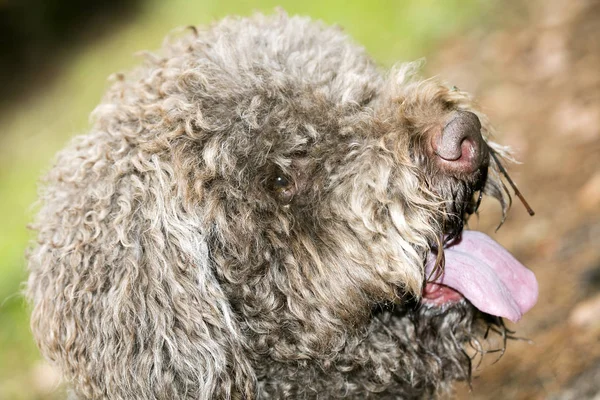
{"type": "Point", "coordinates": [459, 146]}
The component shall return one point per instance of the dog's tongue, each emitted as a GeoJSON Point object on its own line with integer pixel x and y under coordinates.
{"type": "Point", "coordinates": [488, 276]}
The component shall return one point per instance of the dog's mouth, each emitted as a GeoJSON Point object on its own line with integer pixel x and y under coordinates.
{"type": "Point", "coordinates": [482, 271]}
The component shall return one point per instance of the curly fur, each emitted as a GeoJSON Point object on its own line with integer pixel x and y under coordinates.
{"type": "Point", "coordinates": [168, 265]}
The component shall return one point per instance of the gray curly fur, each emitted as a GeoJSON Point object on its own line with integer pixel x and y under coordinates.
{"type": "Point", "coordinates": [172, 264]}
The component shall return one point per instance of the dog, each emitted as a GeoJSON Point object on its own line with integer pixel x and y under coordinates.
{"type": "Point", "coordinates": [261, 212]}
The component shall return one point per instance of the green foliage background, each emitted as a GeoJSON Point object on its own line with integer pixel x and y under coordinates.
{"type": "Point", "coordinates": [34, 129]}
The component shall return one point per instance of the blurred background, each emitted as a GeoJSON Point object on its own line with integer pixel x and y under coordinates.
{"type": "Point", "coordinates": [534, 67]}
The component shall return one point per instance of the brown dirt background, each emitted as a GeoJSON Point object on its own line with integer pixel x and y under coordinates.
{"type": "Point", "coordinates": [537, 75]}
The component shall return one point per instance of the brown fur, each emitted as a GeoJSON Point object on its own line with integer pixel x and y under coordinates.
{"type": "Point", "coordinates": [249, 218]}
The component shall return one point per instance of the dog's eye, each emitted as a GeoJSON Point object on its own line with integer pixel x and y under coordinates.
{"type": "Point", "coordinates": [282, 187]}
{"type": "Point", "coordinates": [280, 182]}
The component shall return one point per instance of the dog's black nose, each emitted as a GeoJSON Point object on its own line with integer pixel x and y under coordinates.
{"type": "Point", "coordinates": [459, 146]}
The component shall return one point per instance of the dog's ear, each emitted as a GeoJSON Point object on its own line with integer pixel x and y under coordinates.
{"type": "Point", "coordinates": [124, 298]}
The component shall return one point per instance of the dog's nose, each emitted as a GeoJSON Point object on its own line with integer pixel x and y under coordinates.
{"type": "Point", "coordinates": [459, 146]}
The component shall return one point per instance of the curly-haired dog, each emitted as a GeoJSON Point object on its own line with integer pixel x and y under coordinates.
{"type": "Point", "coordinates": [256, 214]}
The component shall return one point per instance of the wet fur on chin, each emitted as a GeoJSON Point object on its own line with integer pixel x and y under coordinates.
{"type": "Point", "coordinates": [173, 261]}
{"type": "Point", "coordinates": [409, 352]}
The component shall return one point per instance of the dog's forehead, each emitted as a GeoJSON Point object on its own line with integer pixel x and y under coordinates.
{"type": "Point", "coordinates": [289, 81]}
{"type": "Point", "coordinates": [285, 57]}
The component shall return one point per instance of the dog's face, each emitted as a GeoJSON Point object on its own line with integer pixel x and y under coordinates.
{"type": "Point", "coordinates": [283, 206]}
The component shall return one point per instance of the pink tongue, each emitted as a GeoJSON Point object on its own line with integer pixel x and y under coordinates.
{"type": "Point", "coordinates": [488, 275]}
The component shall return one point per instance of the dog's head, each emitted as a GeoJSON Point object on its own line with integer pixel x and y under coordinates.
{"type": "Point", "coordinates": [246, 203]}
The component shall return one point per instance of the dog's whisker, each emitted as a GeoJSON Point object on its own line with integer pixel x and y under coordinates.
{"type": "Point", "coordinates": [478, 347]}
{"type": "Point", "coordinates": [510, 181]}
{"type": "Point", "coordinates": [504, 334]}
{"type": "Point", "coordinates": [438, 269]}
{"type": "Point", "coordinates": [487, 331]}
{"type": "Point", "coordinates": [469, 369]}
{"type": "Point", "coordinates": [520, 339]}
{"type": "Point", "coordinates": [466, 368]}
{"type": "Point", "coordinates": [492, 351]}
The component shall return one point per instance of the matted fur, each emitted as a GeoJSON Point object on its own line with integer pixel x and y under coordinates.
{"type": "Point", "coordinates": [169, 266]}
